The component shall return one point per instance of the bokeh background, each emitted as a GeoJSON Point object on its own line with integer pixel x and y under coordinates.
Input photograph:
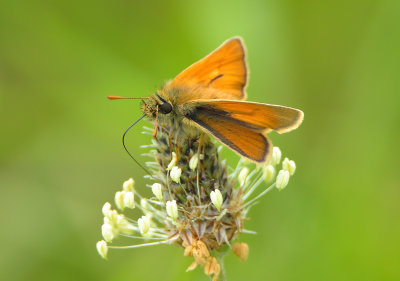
{"type": "Point", "coordinates": [60, 147]}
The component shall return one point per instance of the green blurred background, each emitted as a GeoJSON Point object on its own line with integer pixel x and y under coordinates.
{"type": "Point", "coordinates": [60, 148]}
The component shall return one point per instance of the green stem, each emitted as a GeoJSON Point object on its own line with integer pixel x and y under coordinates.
{"type": "Point", "coordinates": [220, 258]}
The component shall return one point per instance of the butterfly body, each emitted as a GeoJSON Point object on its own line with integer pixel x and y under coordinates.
{"type": "Point", "coordinates": [209, 97]}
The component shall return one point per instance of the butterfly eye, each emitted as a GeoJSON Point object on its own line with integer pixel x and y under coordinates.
{"type": "Point", "coordinates": [165, 108]}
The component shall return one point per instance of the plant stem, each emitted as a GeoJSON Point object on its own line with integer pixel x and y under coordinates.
{"type": "Point", "coordinates": [220, 258]}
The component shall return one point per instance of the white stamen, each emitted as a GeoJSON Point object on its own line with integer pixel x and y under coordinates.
{"type": "Point", "coordinates": [102, 248]}
{"type": "Point", "coordinates": [216, 199]}
{"type": "Point", "coordinates": [243, 176]}
{"type": "Point", "coordinates": [282, 179]}
{"type": "Point", "coordinates": [194, 161]}
{"type": "Point", "coordinates": [107, 232]}
{"type": "Point", "coordinates": [129, 200]}
{"type": "Point", "coordinates": [173, 162]}
{"type": "Point", "coordinates": [276, 156]}
{"type": "Point", "coordinates": [128, 185]}
{"type": "Point", "coordinates": [289, 166]}
{"type": "Point", "coordinates": [172, 209]}
{"type": "Point", "coordinates": [269, 173]}
{"type": "Point", "coordinates": [156, 188]}
{"type": "Point", "coordinates": [144, 224]}
{"type": "Point", "coordinates": [119, 199]}
{"type": "Point", "coordinates": [176, 174]}
{"type": "Point", "coordinates": [106, 209]}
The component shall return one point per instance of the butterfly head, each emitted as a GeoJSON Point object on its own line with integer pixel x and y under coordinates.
{"type": "Point", "coordinates": [157, 105]}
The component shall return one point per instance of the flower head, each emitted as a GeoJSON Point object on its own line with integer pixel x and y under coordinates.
{"type": "Point", "coordinates": [201, 205]}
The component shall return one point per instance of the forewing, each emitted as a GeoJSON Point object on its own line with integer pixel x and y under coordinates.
{"type": "Point", "coordinates": [224, 71]}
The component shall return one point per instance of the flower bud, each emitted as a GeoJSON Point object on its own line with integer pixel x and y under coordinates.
{"type": "Point", "coordinates": [119, 200]}
{"type": "Point", "coordinates": [144, 224]}
{"type": "Point", "coordinates": [216, 199]}
{"type": "Point", "coordinates": [282, 179]}
{"type": "Point", "coordinates": [176, 174]}
{"type": "Point", "coordinates": [269, 173]}
{"type": "Point", "coordinates": [173, 162]}
{"type": "Point", "coordinates": [241, 250]}
{"type": "Point", "coordinates": [128, 185]}
{"type": "Point", "coordinates": [156, 188]}
{"type": "Point", "coordinates": [276, 156]}
{"type": "Point", "coordinates": [194, 161]}
{"type": "Point", "coordinates": [102, 248]}
{"type": "Point", "coordinates": [106, 209]}
{"type": "Point", "coordinates": [129, 200]}
{"type": "Point", "coordinates": [107, 232]}
{"type": "Point", "coordinates": [243, 176]}
{"type": "Point", "coordinates": [172, 209]}
{"type": "Point", "coordinates": [123, 225]}
{"type": "Point", "coordinates": [289, 166]}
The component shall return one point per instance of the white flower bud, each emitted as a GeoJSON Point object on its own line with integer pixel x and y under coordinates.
{"type": "Point", "coordinates": [144, 204]}
{"type": "Point", "coordinates": [289, 166]}
{"type": "Point", "coordinates": [269, 173]}
{"type": "Point", "coordinates": [112, 216]}
{"type": "Point", "coordinates": [276, 156]}
{"type": "Point", "coordinates": [156, 188]}
{"type": "Point", "coordinates": [107, 220]}
{"type": "Point", "coordinates": [216, 199]}
{"type": "Point", "coordinates": [194, 161]}
{"type": "Point", "coordinates": [129, 200]}
{"type": "Point", "coordinates": [282, 179]}
{"type": "Point", "coordinates": [176, 174]}
{"type": "Point", "coordinates": [243, 176]}
{"type": "Point", "coordinates": [128, 185]}
{"type": "Point", "coordinates": [172, 209]}
{"type": "Point", "coordinates": [106, 209]}
{"type": "Point", "coordinates": [107, 232]}
{"type": "Point", "coordinates": [173, 162]}
{"type": "Point", "coordinates": [102, 248]}
{"type": "Point", "coordinates": [124, 225]}
{"type": "Point", "coordinates": [144, 224]}
{"type": "Point", "coordinates": [119, 200]}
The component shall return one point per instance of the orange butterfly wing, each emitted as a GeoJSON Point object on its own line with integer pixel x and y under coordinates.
{"type": "Point", "coordinates": [241, 126]}
{"type": "Point", "coordinates": [247, 142]}
{"type": "Point", "coordinates": [221, 74]}
{"type": "Point", "coordinates": [264, 117]}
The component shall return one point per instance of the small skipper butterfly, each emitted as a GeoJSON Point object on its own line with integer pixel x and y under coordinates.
{"type": "Point", "coordinates": [209, 97]}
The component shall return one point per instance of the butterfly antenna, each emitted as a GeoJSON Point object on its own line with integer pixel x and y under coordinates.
{"type": "Point", "coordinates": [126, 98]}
{"type": "Point", "coordinates": [123, 143]}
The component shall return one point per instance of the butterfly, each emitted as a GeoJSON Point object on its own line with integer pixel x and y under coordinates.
{"type": "Point", "coordinates": [209, 97]}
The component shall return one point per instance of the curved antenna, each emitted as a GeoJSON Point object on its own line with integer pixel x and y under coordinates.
{"type": "Point", "coordinates": [123, 143]}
